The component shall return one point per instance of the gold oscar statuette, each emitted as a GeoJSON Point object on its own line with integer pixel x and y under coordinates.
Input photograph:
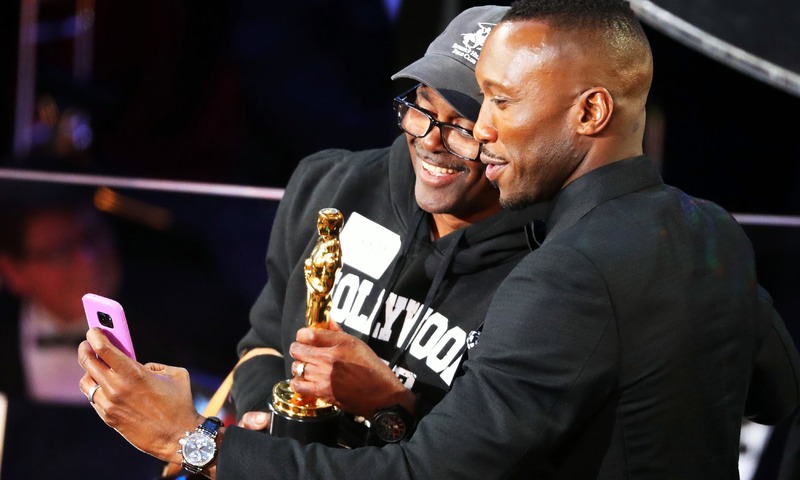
{"type": "Point", "coordinates": [302, 418]}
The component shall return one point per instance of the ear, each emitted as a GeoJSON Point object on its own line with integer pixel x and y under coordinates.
{"type": "Point", "coordinates": [596, 107]}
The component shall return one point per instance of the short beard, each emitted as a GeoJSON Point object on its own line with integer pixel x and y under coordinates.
{"type": "Point", "coordinates": [514, 204]}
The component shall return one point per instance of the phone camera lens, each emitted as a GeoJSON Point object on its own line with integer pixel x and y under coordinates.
{"type": "Point", "coordinates": [105, 319]}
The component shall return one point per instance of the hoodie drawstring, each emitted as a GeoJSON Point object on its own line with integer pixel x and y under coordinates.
{"type": "Point", "coordinates": [442, 269]}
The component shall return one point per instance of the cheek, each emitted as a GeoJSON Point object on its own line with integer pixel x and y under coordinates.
{"type": "Point", "coordinates": [518, 130]}
{"type": "Point", "coordinates": [475, 175]}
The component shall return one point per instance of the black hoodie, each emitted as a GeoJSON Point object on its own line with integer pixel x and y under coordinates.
{"type": "Point", "coordinates": [416, 302]}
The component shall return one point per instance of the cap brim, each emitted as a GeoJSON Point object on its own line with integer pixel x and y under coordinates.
{"type": "Point", "coordinates": [454, 81]}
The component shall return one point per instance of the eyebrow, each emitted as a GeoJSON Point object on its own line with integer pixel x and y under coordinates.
{"type": "Point", "coordinates": [422, 91]}
{"type": "Point", "coordinates": [488, 82]}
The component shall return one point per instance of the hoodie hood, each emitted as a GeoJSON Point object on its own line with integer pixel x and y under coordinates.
{"type": "Point", "coordinates": [494, 240]}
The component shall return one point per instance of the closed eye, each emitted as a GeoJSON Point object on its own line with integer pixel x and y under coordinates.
{"type": "Point", "coordinates": [499, 101]}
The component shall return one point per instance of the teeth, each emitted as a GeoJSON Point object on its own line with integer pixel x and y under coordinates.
{"type": "Point", "coordinates": [437, 170]}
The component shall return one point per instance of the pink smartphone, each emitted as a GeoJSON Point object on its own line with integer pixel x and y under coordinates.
{"type": "Point", "coordinates": [108, 315]}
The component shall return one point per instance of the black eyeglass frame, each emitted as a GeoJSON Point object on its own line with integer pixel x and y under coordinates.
{"type": "Point", "coordinates": [402, 100]}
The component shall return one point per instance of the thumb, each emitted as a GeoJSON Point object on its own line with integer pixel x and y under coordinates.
{"type": "Point", "coordinates": [108, 352]}
{"type": "Point", "coordinates": [333, 325]}
{"type": "Point", "coordinates": [255, 420]}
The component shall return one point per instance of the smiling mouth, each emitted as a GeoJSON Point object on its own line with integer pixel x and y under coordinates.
{"type": "Point", "coordinates": [434, 170]}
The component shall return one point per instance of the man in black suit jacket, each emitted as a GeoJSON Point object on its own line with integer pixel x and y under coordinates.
{"type": "Point", "coordinates": [642, 304]}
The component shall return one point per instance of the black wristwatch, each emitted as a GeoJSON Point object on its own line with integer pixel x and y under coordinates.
{"type": "Point", "coordinates": [390, 425]}
{"type": "Point", "coordinates": [199, 447]}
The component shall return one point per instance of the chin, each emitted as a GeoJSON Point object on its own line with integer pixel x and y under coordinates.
{"type": "Point", "coordinates": [433, 200]}
{"type": "Point", "coordinates": [514, 202]}
{"type": "Point", "coordinates": [435, 206]}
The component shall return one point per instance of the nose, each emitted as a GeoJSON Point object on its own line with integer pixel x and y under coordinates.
{"type": "Point", "coordinates": [483, 130]}
{"type": "Point", "coordinates": [433, 140]}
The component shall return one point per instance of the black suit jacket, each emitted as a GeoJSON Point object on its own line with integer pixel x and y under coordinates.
{"type": "Point", "coordinates": [624, 347]}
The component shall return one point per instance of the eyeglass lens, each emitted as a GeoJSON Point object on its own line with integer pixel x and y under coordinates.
{"type": "Point", "coordinates": [418, 123]}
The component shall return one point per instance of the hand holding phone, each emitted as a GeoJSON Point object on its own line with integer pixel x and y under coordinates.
{"type": "Point", "coordinates": [108, 315]}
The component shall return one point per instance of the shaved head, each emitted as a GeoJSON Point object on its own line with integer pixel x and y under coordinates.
{"type": "Point", "coordinates": [565, 85]}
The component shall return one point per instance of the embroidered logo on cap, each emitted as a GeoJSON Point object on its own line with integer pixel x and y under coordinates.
{"type": "Point", "coordinates": [472, 43]}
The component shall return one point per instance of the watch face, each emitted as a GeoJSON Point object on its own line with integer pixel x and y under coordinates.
{"type": "Point", "coordinates": [198, 449]}
{"type": "Point", "coordinates": [390, 427]}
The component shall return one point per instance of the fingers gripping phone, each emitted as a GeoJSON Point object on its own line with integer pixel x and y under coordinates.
{"type": "Point", "coordinates": [108, 315]}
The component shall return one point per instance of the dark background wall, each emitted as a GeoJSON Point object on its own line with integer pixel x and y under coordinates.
{"type": "Point", "coordinates": [240, 90]}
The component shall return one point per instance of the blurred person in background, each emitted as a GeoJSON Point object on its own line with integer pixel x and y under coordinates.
{"type": "Point", "coordinates": [55, 246]}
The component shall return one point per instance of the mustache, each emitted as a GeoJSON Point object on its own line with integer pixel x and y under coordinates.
{"type": "Point", "coordinates": [489, 155]}
{"type": "Point", "coordinates": [442, 160]}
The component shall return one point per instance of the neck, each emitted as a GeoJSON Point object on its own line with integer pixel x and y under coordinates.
{"type": "Point", "coordinates": [444, 224]}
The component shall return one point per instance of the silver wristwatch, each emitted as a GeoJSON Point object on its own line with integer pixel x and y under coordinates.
{"type": "Point", "coordinates": [199, 447]}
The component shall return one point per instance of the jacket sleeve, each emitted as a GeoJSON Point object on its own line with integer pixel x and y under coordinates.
{"type": "Point", "coordinates": [775, 386]}
{"type": "Point", "coordinates": [254, 379]}
{"type": "Point", "coordinates": [471, 427]}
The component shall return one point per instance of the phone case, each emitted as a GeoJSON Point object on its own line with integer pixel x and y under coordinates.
{"type": "Point", "coordinates": [108, 315]}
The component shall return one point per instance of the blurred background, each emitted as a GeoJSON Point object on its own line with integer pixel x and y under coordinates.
{"type": "Point", "coordinates": [236, 92]}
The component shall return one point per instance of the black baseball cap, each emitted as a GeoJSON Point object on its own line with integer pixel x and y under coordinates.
{"type": "Point", "coordinates": [449, 63]}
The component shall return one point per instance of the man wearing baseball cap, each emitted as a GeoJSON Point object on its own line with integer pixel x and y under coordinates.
{"type": "Point", "coordinates": [437, 237]}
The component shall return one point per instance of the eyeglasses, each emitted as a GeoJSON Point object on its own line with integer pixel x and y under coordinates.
{"type": "Point", "coordinates": [418, 122]}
